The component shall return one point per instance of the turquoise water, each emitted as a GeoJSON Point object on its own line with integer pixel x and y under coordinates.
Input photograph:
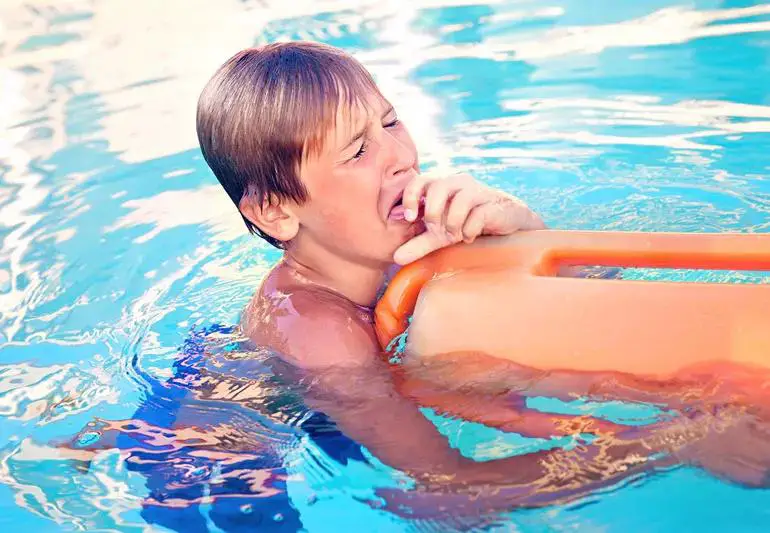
{"type": "Point", "coordinates": [117, 244]}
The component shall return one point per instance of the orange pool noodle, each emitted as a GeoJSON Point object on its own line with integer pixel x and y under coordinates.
{"type": "Point", "coordinates": [504, 297]}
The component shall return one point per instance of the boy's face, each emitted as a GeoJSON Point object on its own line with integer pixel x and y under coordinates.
{"type": "Point", "coordinates": [354, 183]}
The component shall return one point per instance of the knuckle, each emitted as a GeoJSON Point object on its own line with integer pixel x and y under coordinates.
{"type": "Point", "coordinates": [438, 186]}
{"type": "Point", "coordinates": [464, 196]}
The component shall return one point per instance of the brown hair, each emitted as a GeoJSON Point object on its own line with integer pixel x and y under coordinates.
{"type": "Point", "coordinates": [268, 108]}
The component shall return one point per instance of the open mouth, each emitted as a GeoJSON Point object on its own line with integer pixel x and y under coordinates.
{"type": "Point", "coordinates": [397, 210]}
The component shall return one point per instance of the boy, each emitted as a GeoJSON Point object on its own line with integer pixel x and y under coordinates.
{"type": "Point", "coordinates": [319, 165]}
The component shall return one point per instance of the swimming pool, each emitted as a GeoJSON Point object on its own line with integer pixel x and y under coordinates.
{"type": "Point", "coordinates": [120, 254]}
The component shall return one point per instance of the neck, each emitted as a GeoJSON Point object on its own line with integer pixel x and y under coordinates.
{"type": "Point", "coordinates": [358, 282]}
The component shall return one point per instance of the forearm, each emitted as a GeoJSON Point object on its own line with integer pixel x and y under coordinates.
{"type": "Point", "coordinates": [544, 478]}
{"type": "Point", "coordinates": [392, 427]}
{"type": "Point", "coordinates": [508, 412]}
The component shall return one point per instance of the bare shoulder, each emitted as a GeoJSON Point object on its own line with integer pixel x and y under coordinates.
{"type": "Point", "coordinates": [312, 327]}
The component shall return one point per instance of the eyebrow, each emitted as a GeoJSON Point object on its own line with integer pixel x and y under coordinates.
{"type": "Point", "coordinates": [362, 132]}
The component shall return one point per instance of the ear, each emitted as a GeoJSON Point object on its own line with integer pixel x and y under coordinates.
{"type": "Point", "coordinates": [273, 217]}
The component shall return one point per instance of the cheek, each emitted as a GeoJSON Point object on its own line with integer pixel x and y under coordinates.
{"type": "Point", "coordinates": [353, 196]}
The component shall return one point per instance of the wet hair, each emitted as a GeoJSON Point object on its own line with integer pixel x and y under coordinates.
{"type": "Point", "coordinates": [267, 109]}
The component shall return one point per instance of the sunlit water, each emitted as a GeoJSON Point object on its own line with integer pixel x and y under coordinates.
{"type": "Point", "coordinates": [121, 258]}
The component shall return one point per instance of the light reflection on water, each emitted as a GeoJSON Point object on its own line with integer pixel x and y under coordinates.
{"type": "Point", "coordinates": [117, 244]}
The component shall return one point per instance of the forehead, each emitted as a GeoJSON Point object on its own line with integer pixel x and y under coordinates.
{"type": "Point", "coordinates": [360, 109]}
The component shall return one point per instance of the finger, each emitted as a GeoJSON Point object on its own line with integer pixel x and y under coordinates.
{"type": "Point", "coordinates": [413, 193]}
{"type": "Point", "coordinates": [474, 223]}
{"type": "Point", "coordinates": [418, 247]}
{"type": "Point", "coordinates": [437, 196]}
{"type": "Point", "coordinates": [459, 209]}
{"type": "Point", "coordinates": [527, 219]}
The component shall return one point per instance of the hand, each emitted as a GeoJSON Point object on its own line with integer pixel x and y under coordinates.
{"type": "Point", "coordinates": [459, 208]}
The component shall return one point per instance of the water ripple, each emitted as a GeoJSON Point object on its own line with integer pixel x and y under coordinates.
{"type": "Point", "coordinates": [48, 394]}
{"type": "Point", "coordinates": [119, 249]}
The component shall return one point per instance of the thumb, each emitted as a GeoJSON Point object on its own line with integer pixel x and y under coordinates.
{"type": "Point", "coordinates": [418, 247]}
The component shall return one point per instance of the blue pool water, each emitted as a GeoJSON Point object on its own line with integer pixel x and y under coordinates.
{"type": "Point", "coordinates": [122, 261]}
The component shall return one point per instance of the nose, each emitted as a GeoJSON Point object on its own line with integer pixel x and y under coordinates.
{"type": "Point", "coordinates": [400, 154]}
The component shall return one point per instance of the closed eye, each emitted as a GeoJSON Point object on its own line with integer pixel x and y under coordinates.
{"type": "Point", "coordinates": [360, 153]}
